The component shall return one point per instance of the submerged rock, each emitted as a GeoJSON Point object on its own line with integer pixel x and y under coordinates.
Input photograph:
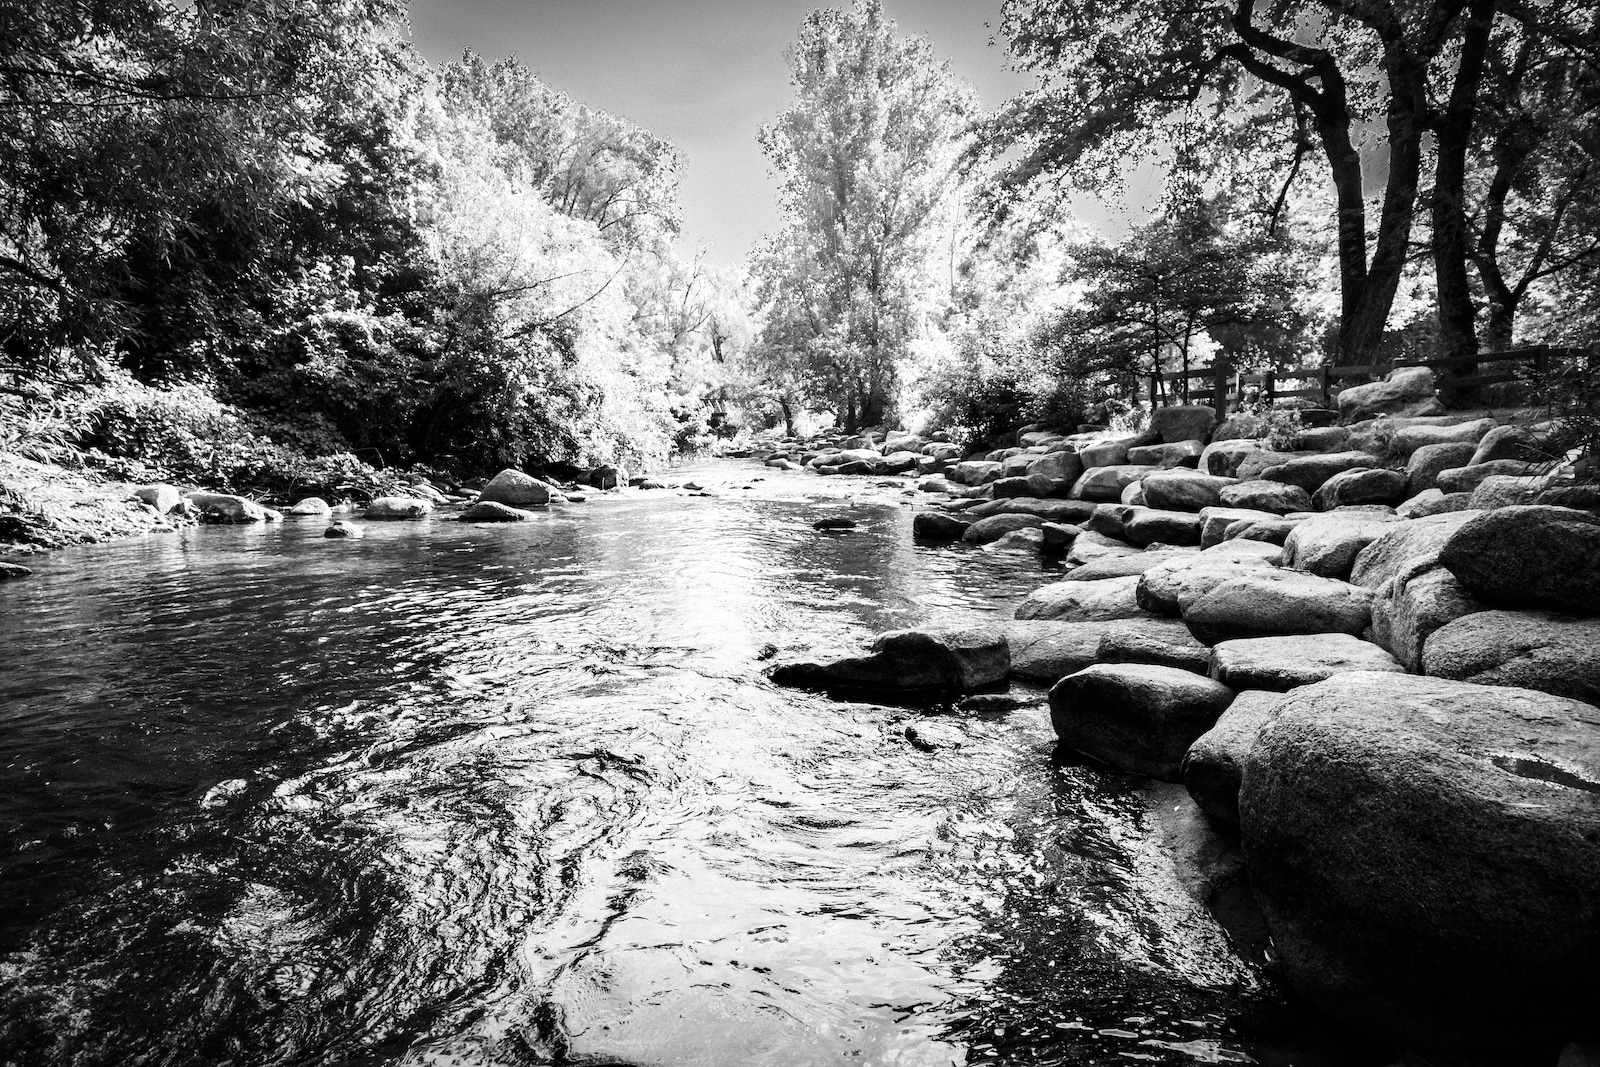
{"type": "Point", "coordinates": [951, 660]}
{"type": "Point", "coordinates": [489, 511]}
{"type": "Point", "coordinates": [13, 570]}
{"type": "Point", "coordinates": [348, 530]}
{"type": "Point", "coordinates": [936, 526]}
{"type": "Point", "coordinates": [395, 508]}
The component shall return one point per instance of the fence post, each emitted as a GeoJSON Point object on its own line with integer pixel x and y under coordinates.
{"type": "Point", "coordinates": [1219, 388]}
{"type": "Point", "coordinates": [1154, 380]}
{"type": "Point", "coordinates": [1327, 386]}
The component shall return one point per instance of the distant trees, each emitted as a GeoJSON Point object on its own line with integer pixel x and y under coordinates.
{"type": "Point", "coordinates": [866, 157]}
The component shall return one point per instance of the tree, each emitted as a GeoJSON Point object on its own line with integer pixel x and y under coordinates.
{"type": "Point", "coordinates": [866, 158]}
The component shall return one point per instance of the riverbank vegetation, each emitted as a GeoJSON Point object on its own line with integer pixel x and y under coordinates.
{"type": "Point", "coordinates": [262, 246]}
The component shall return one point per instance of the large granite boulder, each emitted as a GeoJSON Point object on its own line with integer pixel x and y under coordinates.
{"type": "Point", "coordinates": [946, 660]}
{"type": "Point", "coordinates": [1310, 472]}
{"type": "Point", "coordinates": [1541, 650]}
{"type": "Point", "coordinates": [1504, 491]}
{"type": "Point", "coordinates": [1404, 391]}
{"type": "Point", "coordinates": [489, 511]}
{"type": "Point", "coordinates": [1433, 502]}
{"type": "Point", "coordinates": [1284, 663]}
{"type": "Point", "coordinates": [1327, 545]}
{"type": "Point", "coordinates": [161, 496]}
{"type": "Point", "coordinates": [1033, 485]}
{"type": "Point", "coordinates": [1272, 602]}
{"type": "Point", "coordinates": [1059, 466]}
{"type": "Point", "coordinates": [1529, 444]}
{"type": "Point", "coordinates": [396, 508]}
{"type": "Point", "coordinates": [226, 508]}
{"type": "Point", "coordinates": [1183, 490]}
{"type": "Point", "coordinates": [1371, 486]}
{"type": "Point", "coordinates": [1178, 454]}
{"type": "Point", "coordinates": [937, 527]}
{"type": "Point", "coordinates": [1426, 854]}
{"type": "Point", "coordinates": [1109, 451]}
{"type": "Point", "coordinates": [1148, 526]}
{"type": "Point", "coordinates": [1223, 457]}
{"type": "Point", "coordinates": [1262, 495]}
{"type": "Point", "coordinates": [1252, 466]}
{"type": "Point", "coordinates": [1090, 547]}
{"type": "Point", "coordinates": [1111, 520]}
{"type": "Point", "coordinates": [1535, 557]}
{"type": "Point", "coordinates": [343, 530]}
{"type": "Point", "coordinates": [1412, 437]}
{"type": "Point", "coordinates": [1270, 531]}
{"type": "Point", "coordinates": [1163, 587]}
{"type": "Point", "coordinates": [1131, 564]}
{"type": "Point", "coordinates": [1108, 598]}
{"type": "Point", "coordinates": [1215, 522]}
{"type": "Point", "coordinates": [995, 527]}
{"type": "Point", "coordinates": [1214, 764]}
{"type": "Point", "coordinates": [311, 505]}
{"type": "Point", "coordinates": [515, 489]}
{"type": "Point", "coordinates": [1406, 548]}
{"type": "Point", "coordinates": [1073, 511]}
{"type": "Point", "coordinates": [1466, 479]}
{"type": "Point", "coordinates": [1429, 461]}
{"type": "Point", "coordinates": [1160, 642]}
{"type": "Point", "coordinates": [1185, 422]}
{"type": "Point", "coordinates": [1411, 606]}
{"type": "Point", "coordinates": [1047, 650]}
{"type": "Point", "coordinates": [1134, 716]}
{"type": "Point", "coordinates": [973, 472]}
{"type": "Point", "coordinates": [1107, 483]}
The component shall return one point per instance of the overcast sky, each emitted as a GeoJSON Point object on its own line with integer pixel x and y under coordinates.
{"type": "Point", "coordinates": [705, 74]}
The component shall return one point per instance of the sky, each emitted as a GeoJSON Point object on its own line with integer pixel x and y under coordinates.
{"type": "Point", "coordinates": [704, 74]}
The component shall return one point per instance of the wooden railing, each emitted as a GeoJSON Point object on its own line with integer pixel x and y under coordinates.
{"type": "Point", "coordinates": [1225, 386]}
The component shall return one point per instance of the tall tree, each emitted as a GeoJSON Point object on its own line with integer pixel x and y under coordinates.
{"type": "Point", "coordinates": [866, 158]}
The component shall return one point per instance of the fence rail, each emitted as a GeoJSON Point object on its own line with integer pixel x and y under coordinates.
{"type": "Point", "coordinates": [1224, 385]}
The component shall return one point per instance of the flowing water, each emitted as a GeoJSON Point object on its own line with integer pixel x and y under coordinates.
{"type": "Point", "coordinates": [461, 794]}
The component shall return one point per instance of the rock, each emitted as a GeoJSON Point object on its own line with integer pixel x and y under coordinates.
{"type": "Point", "coordinates": [1148, 527]}
{"type": "Point", "coordinates": [311, 505]}
{"type": "Point", "coordinates": [995, 527]}
{"type": "Point", "coordinates": [1433, 502]}
{"type": "Point", "coordinates": [13, 570]}
{"type": "Point", "coordinates": [932, 736]}
{"type": "Point", "coordinates": [393, 508]}
{"type": "Point", "coordinates": [1183, 422]}
{"type": "Point", "coordinates": [1162, 588]}
{"type": "Point", "coordinates": [1090, 546]}
{"type": "Point", "coordinates": [1406, 548]}
{"type": "Point", "coordinates": [1183, 490]}
{"type": "Point", "coordinates": [1058, 536]}
{"type": "Point", "coordinates": [1134, 716]}
{"type": "Point", "coordinates": [348, 530]}
{"type": "Point", "coordinates": [1267, 531]}
{"type": "Point", "coordinates": [1059, 466]}
{"type": "Point", "coordinates": [1160, 642]}
{"type": "Point", "coordinates": [1310, 472]}
{"type": "Point", "coordinates": [1376, 486]}
{"type": "Point", "coordinates": [835, 522]}
{"type": "Point", "coordinates": [1044, 650]}
{"type": "Point", "coordinates": [1425, 854]}
{"type": "Point", "coordinates": [1273, 602]}
{"type": "Point", "coordinates": [1541, 650]}
{"type": "Point", "coordinates": [1239, 427]}
{"type": "Point", "coordinates": [1108, 598]}
{"type": "Point", "coordinates": [1232, 549]}
{"type": "Point", "coordinates": [226, 508]}
{"type": "Point", "coordinates": [1214, 522]}
{"type": "Point", "coordinates": [1409, 608]}
{"type": "Point", "coordinates": [1534, 557]}
{"type": "Point", "coordinates": [1426, 464]}
{"type": "Point", "coordinates": [1111, 520]}
{"type": "Point", "coordinates": [935, 484]}
{"type": "Point", "coordinates": [489, 511]}
{"type": "Point", "coordinates": [947, 660]}
{"type": "Point", "coordinates": [1029, 540]}
{"type": "Point", "coordinates": [1032, 485]}
{"type": "Point", "coordinates": [938, 527]}
{"type": "Point", "coordinates": [898, 463]}
{"type": "Point", "coordinates": [973, 472]}
{"type": "Point", "coordinates": [1466, 479]}
{"type": "Point", "coordinates": [1527, 444]}
{"type": "Point", "coordinates": [1107, 483]}
{"type": "Point", "coordinates": [514, 489]}
{"type": "Point", "coordinates": [1284, 663]}
{"type": "Point", "coordinates": [1404, 391]}
{"type": "Point", "coordinates": [607, 476]}
{"type": "Point", "coordinates": [161, 496]}
{"type": "Point", "coordinates": [1073, 511]}
{"type": "Point", "coordinates": [1262, 495]}
{"type": "Point", "coordinates": [1409, 439]}
{"type": "Point", "coordinates": [1109, 451]}
{"type": "Point", "coordinates": [1322, 439]}
{"type": "Point", "coordinates": [1253, 465]}
{"type": "Point", "coordinates": [1179, 454]}
{"type": "Point", "coordinates": [1131, 564]}
{"type": "Point", "coordinates": [1224, 457]}
{"type": "Point", "coordinates": [1504, 491]}
{"type": "Point", "coordinates": [1214, 764]}
{"type": "Point", "coordinates": [1327, 545]}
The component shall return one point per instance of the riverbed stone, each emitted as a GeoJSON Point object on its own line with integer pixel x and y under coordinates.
{"type": "Point", "coordinates": [995, 527]}
{"type": "Point", "coordinates": [1161, 642]}
{"type": "Point", "coordinates": [1149, 526]}
{"type": "Point", "coordinates": [1058, 536]}
{"type": "Point", "coordinates": [1214, 765]}
{"type": "Point", "coordinates": [396, 508]}
{"type": "Point", "coordinates": [1406, 548]}
{"type": "Point", "coordinates": [1288, 662]}
{"type": "Point", "coordinates": [1090, 546]}
{"type": "Point", "coordinates": [1429, 461]}
{"type": "Point", "coordinates": [1543, 650]}
{"type": "Point", "coordinates": [12, 570]}
{"type": "Point", "coordinates": [1162, 587]}
{"type": "Point", "coordinates": [515, 489]}
{"type": "Point", "coordinates": [1183, 490]}
{"type": "Point", "coordinates": [1111, 520]}
{"type": "Point", "coordinates": [1433, 502]}
{"type": "Point", "coordinates": [1166, 457]}
{"type": "Point", "coordinates": [1028, 540]}
{"type": "Point", "coordinates": [957, 660]}
{"type": "Point", "coordinates": [1371, 486]}
{"type": "Point", "coordinates": [1412, 606]}
{"type": "Point", "coordinates": [1105, 484]}
{"type": "Point", "coordinates": [340, 528]}
{"type": "Point", "coordinates": [1108, 598]}
{"type": "Point", "coordinates": [1273, 602]}
{"type": "Point", "coordinates": [1426, 853]}
{"type": "Point", "coordinates": [226, 508]}
{"type": "Point", "coordinates": [1238, 547]}
{"type": "Point", "coordinates": [1529, 556]}
{"type": "Point", "coordinates": [1073, 511]}
{"type": "Point", "coordinates": [1047, 650]}
{"type": "Point", "coordinates": [311, 505]}
{"type": "Point", "coordinates": [1134, 716]}
{"type": "Point", "coordinates": [1260, 494]}
{"type": "Point", "coordinates": [1125, 565]}
{"type": "Point", "coordinates": [1411, 438]}
{"type": "Point", "coordinates": [489, 511]}
{"type": "Point", "coordinates": [1403, 391]}
{"type": "Point", "coordinates": [1310, 472]}
{"type": "Point", "coordinates": [938, 527]}
{"type": "Point", "coordinates": [161, 496]}
{"type": "Point", "coordinates": [1183, 422]}
{"type": "Point", "coordinates": [1327, 544]}
{"type": "Point", "coordinates": [1215, 521]}
{"type": "Point", "coordinates": [1222, 457]}
{"type": "Point", "coordinates": [973, 472]}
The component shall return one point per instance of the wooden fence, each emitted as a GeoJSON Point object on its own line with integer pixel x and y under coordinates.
{"type": "Point", "coordinates": [1223, 386]}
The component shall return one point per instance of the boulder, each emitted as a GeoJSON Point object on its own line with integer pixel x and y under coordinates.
{"type": "Point", "coordinates": [1133, 493]}
{"type": "Point", "coordinates": [1111, 520]}
{"type": "Point", "coordinates": [995, 527]}
{"type": "Point", "coordinates": [1374, 486]}
{"type": "Point", "coordinates": [1269, 531]}
{"type": "Point", "coordinates": [1148, 526]}
{"type": "Point", "coordinates": [1504, 491]}
{"type": "Point", "coordinates": [226, 508]}
{"type": "Point", "coordinates": [1214, 522]}
{"type": "Point", "coordinates": [161, 496]}
{"type": "Point", "coordinates": [489, 511]}
{"type": "Point", "coordinates": [1090, 546]}
{"type": "Point", "coordinates": [1109, 451]}
{"type": "Point", "coordinates": [1183, 422]}
{"type": "Point", "coordinates": [1404, 391]}
{"type": "Point", "coordinates": [1433, 502]}
{"type": "Point", "coordinates": [1161, 642]}
{"type": "Point", "coordinates": [1541, 650]}
{"type": "Point", "coordinates": [1262, 495]}
{"type": "Point", "coordinates": [1122, 566]}
{"type": "Point", "coordinates": [1528, 444]}
{"type": "Point", "coordinates": [1272, 602]}
{"type": "Point", "coordinates": [1252, 466]}
{"type": "Point", "coordinates": [946, 660]}
{"type": "Point", "coordinates": [1322, 439]}
{"type": "Point", "coordinates": [1060, 466]}
{"type": "Point", "coordinates": [347, 530]}
{"type": "Point", "coordinates": [1328, 544]}
{"type": "Point", "coordinates": [1214, 764]}
{"type": "Point", "coordinates": [1107, 483]}
{"type": "Point", "coordinates": [395, 508]}
{"type": "Point", "coordinates": [1179, 454]}
{"type": "Point", "coordinates": [1058, 536]}
{"type": "Point", "coordinates": [1029, 540]}
{"type": "Point", "coordinates": [1231, 549]}
{"type": "Point", "coordinates": [1241, 426]}
{"type": "Point", "coordinates": [1183, 490]}
{"type": "Point", "coordinates": [1466, 479]}
{"type": "Point", "coordinates": [1046, 650]}
{"type": "Point", "coordinates": [1426, 464]}
{"type": "Point", "coordinates": [1410, 607]}
{"type": "Point", "coordinates": [936, 526]}
{"type": "Point", "coordinates": [1409, 439]}
{"type": "Point", "coordinates": [1108, 598]}
{"type": "Point", "coordinates": [1284, 663]}
{"type": "Point", "coordinates": [13, 570]}
{"type": "Point", "coordinates": [1073, 511]}
{"type": "Point", "coordinates": [515, 489]}
{"type": "Point", "coordinates": [1536, 557]}
{"type": "Point", "coordinates": [311, 505]}
{"type": "Point", "coordinates": [1161, 588]}
{"type": "Point", "coordinates": [1223, 457]}
{"type": "Point", "coordinates": [1034, 485]}
{"type": "Point", "coordinates": [1406, 548]}
{"type": "Point", "coordinates": [936, 484]}
{"type": "Point", "coordinates": [1134, 716]}
{"type": "Point", "coordinates": [1310, 472]}
{"type": "Point", "coordinates": [973, 472]}
{"type": "Point", "coordinates": [898, 463]}
{"type": "Point", "coordinates": [1426, 853]}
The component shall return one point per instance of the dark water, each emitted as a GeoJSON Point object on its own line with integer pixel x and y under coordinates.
{"type": "Point", "coordinates": [520, 795]}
